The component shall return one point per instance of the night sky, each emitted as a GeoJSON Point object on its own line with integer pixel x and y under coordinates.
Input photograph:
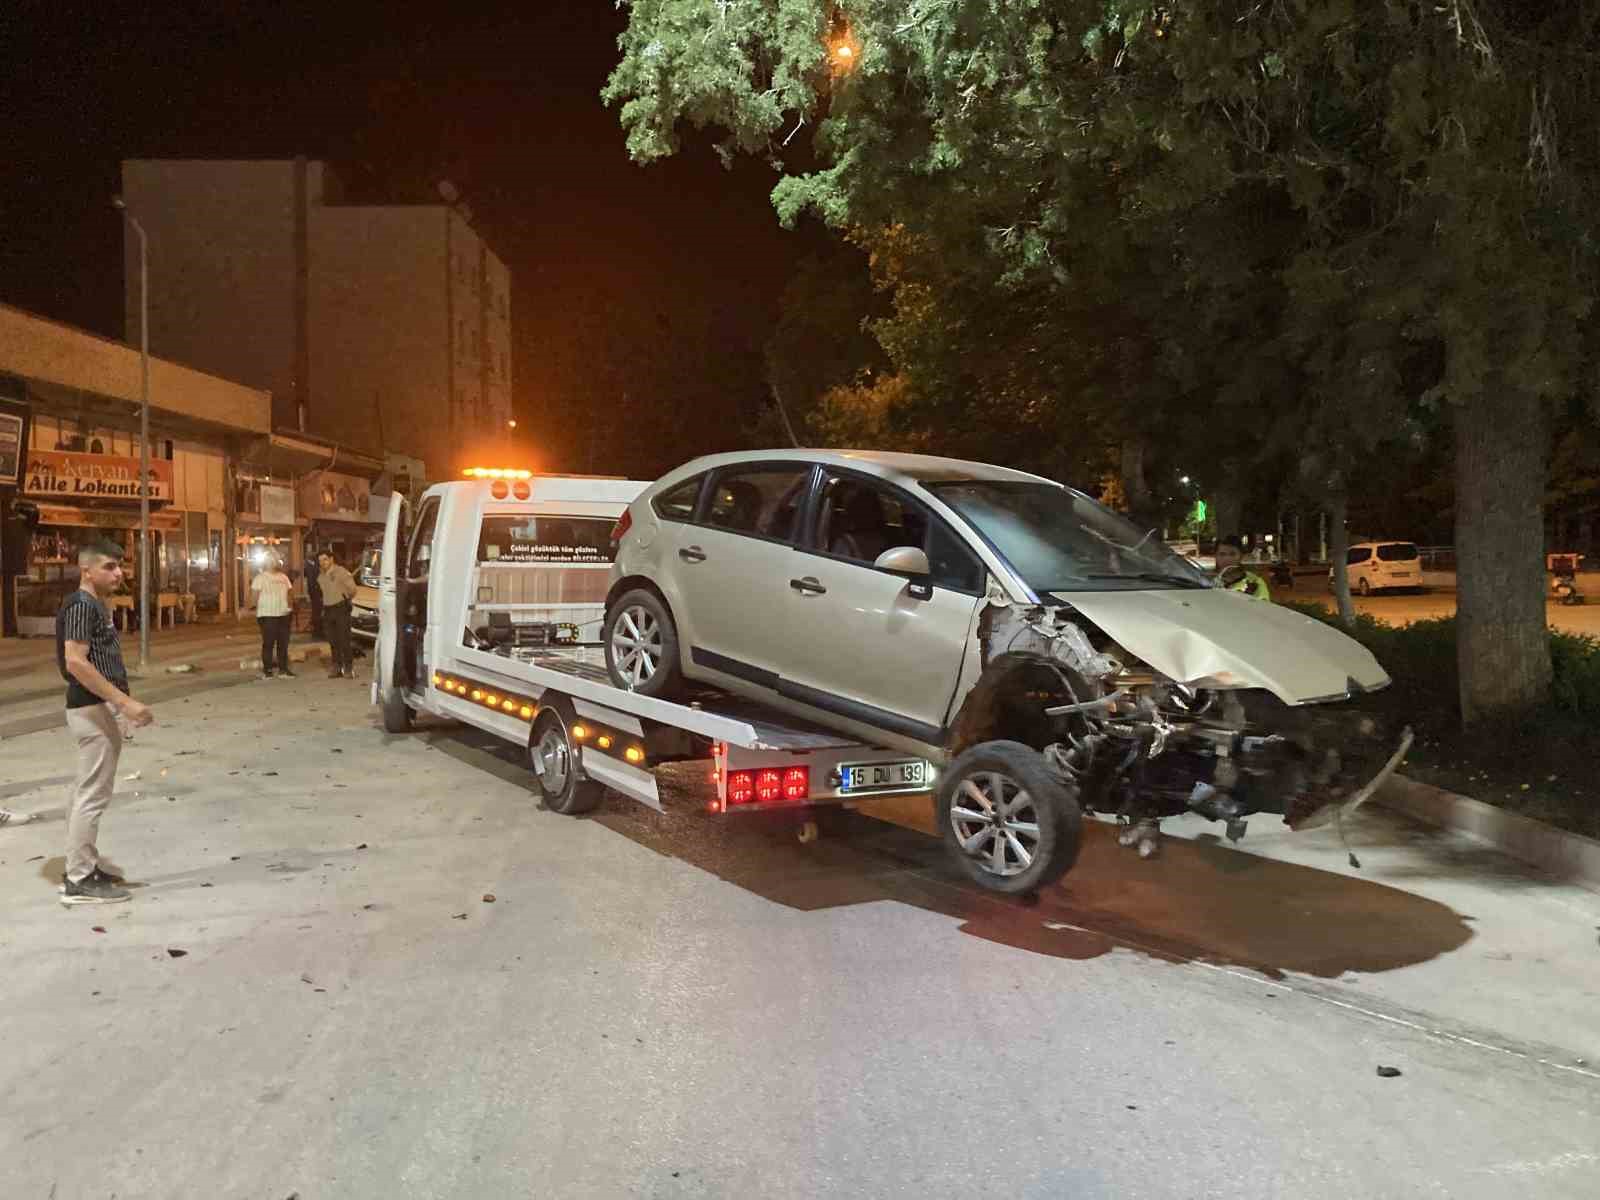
{"type": "Point", "coordinates": [642, 296]}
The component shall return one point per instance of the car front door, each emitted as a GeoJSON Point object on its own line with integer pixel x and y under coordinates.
{"type": "Point", "coordinates": [731, 567]}
{"type": "Point", "coordinates": [868, 644]}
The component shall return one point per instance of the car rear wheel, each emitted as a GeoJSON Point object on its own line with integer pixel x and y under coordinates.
{"type": "Point", "coordinates": [641, 643]}
{"type": "Point", "coordinates": [1010, 823]}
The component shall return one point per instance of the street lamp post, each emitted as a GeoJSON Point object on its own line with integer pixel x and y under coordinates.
{"type": "Point", "coordinates": [144, 433]}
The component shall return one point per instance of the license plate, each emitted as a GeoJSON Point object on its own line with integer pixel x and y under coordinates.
{"type": "Point", "coordinates": [883, 777]}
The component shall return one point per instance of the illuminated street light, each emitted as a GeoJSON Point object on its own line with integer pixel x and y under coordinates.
{"type": "Point", "coordinates": [843, 51]}
{"type": "Point", "coordinates": [1185, 479]}
{"type": "Point", "coordinates": [511, 424]}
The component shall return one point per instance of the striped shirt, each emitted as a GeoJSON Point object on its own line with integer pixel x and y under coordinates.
{"type": "Point", "coordinates": [272, 594]}
{"type": "Point", "coordinates": [83, 618]}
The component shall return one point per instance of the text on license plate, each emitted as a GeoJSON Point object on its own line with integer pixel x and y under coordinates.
{"type": "Point", "coordinates": [885, 776]}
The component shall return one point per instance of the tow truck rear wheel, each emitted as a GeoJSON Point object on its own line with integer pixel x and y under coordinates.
{"type": "Point", "coordinates": [556, 766]}
{"type": "Point", "coordinates": [1007, 819]}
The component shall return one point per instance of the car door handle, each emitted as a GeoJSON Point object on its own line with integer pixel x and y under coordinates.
{"type": "Point", "coordinates": [692, 554]}
{"type": "Point", "coordinates": [810, 586]}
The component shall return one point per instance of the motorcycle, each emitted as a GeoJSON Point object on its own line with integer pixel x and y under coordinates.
{"type": "Point", "coordinates": [1565, 590]}
{"type": "Point", "coordinates": [1564, 579]}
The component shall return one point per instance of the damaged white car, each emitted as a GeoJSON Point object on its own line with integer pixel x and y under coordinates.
{"type": "Point", "coordinates": [1042, 654]}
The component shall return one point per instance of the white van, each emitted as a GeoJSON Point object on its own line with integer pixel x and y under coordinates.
{"type": "Point", "coordinates": [1377, 566]}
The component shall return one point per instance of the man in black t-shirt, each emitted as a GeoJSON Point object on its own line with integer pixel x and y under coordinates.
{"type": "Point", "coordinates": [89, 656]}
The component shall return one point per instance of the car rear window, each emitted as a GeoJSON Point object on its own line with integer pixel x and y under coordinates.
{"type": "Point", "coordinates": [1397, 552]}
{"type": "Point", "coordinates": [507, 540]}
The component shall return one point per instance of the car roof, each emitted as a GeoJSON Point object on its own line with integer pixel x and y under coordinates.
{"type": "Point", "coordinates": [921, 468]}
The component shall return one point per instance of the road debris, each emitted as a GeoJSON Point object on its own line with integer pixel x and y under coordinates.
{"type": "Point", "coordinates": [363, 846]}
{"type": "Point", "coordinates": [99, 929]}
{"type": "Point", "coordinates": [182, 669]}
{"type": "Point", "coordinates": [488, 897]}
{"type": "Point", "coordinates": [459, 917]}
{"type": "Point", "coordinates": [1388, 1072]}
{"type": "Point", "coordinates": [134, 776]}
{"type": "Point", "coordinates": [172, 953]}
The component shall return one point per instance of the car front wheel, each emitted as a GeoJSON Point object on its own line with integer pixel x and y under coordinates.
{"type": "Point", "coordinates": [1010, 823]}
{"type": "Point", "coordinates": [641, 644]}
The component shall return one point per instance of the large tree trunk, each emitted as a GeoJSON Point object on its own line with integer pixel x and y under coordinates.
{"type": "Point", "coordinates": [1143, 510]}
{"type": "Point", "coordinates": [1339, 555]}
{"type": "Point", "coordinates": [1503, 651]}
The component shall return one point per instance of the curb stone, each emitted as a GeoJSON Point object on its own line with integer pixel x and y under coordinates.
{"type": "Point", "coordinates": [1570, 857]}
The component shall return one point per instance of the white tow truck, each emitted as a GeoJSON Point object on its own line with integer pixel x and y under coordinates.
{"type": "Point", "coordinates": [491, 599]}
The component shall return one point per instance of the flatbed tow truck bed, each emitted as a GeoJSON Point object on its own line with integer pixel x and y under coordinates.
{"type": "Point", "coordinates": [762, 760]}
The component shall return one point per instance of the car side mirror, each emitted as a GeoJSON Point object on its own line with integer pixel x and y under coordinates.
{"type": "Point", "coordinates": [904, 560]}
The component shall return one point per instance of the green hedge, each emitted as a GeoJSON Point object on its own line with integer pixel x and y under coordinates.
{"type": "Point", "coordinates": [1421, 658]}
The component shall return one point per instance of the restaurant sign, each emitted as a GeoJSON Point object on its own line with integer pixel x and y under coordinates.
{"type": "Point", "coordinates": [64, 475]}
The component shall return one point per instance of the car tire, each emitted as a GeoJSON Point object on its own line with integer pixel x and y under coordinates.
{"type": "Point", "coordinates": [965, 805]}
{"type": "Point", "coordinates": [641, 642]}
{"type": "Point", "coordinates": [557, 765]}
{"type": "Point", "coordinates": [396, 712]}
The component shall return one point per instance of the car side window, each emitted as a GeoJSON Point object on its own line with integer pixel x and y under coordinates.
{"type": "Point", "coordinates": [678, 503]}
{"type": "Point", "coordinates": [858, 520]}
{"type": "Point", "coordinates": [761, 500]}
{"type": "Point", "coordinates": [1357, 556]}
{"type": "Point", "coordinates": [952, 564]}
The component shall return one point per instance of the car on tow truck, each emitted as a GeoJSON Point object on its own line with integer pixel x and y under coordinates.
{"type": "Point", "coordinates": [1036, 652]}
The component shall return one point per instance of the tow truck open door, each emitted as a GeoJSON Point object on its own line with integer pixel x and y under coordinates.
{"type": "Point", "coordinates": [388, 687]}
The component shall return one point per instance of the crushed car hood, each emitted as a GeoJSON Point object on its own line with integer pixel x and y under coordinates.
{"type": "Point", "coordinates": [1217, 638]}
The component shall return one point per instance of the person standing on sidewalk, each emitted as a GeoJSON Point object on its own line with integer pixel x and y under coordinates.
{"type": "Point", "coordinates": [338, 589]}
{"type": "Point", "coordinates": [270, 598]}
{"type": "Point", "coordinates": [89, 656]}
{"type": "Point", "coordinates": [315, 593]}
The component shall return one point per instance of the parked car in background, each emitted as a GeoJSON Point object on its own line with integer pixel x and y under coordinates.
{"type": "Point", "coordinates": [1382, 566]}
{"type": "Point", "coordinates": [364, 605]}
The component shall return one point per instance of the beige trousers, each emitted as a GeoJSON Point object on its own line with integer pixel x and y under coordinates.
{"type": "Point", "coordinates": [99, 746]}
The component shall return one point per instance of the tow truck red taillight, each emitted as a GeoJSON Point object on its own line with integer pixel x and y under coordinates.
{"type": "Point", "coordinates": [741, 787]}
{"type": "Point", "coordinates": [797, 783]}
{"type": "Point", "coordinates": [769, 786]}
{"type": "Point", "coordinates": [624, 523]}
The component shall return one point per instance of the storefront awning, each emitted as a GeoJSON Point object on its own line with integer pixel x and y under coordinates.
{"type": "Point", "coordinates": [107, 518]}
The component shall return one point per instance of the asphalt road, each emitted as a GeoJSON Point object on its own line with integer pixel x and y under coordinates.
{"type": "Point", "coordinates": [674, 1005]}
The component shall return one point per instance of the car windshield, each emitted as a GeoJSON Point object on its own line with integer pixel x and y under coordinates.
{"type": "Point", "coordinates": [1057, 539]}
{"type": "Point", "coordinates": [1398, 552]}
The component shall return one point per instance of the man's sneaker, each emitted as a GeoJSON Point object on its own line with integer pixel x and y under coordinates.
{"type": "Point", "coordinates": [94, 888]}
{"type": "Point", "coordinates": [7, 817]}
{"type": "Point", "coordinates": [286, 673]}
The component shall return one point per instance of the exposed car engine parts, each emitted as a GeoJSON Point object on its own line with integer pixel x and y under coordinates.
{"type": "Point", "coordinates": [1138, 745]}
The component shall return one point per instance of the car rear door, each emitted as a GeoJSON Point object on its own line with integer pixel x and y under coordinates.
{"type": "Point", "coordinates": [731, 569]}
{"type": "Point", "coordinates": [867, 644]}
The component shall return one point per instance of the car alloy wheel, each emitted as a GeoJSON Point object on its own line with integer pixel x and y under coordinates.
{"type": "Point", "coordinates": [996, 822]}
{"type": "Point", "coordinates": [637, 645]}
